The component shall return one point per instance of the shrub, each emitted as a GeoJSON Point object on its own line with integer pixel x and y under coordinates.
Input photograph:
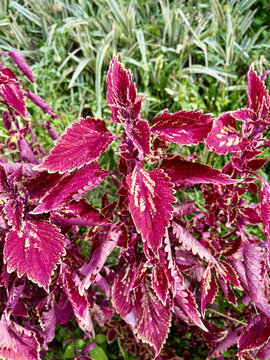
{"type": "Point", "coordinates": [170, 255]}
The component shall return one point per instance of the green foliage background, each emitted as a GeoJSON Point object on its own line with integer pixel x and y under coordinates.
{"type": "Point", "coordinates": [183, 55]}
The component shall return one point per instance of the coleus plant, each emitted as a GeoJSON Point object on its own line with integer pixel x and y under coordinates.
{"type": "Point", "coordinates": [174, 255]}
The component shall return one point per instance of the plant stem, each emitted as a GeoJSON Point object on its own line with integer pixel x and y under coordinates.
{"type": "Point", "coordinates": [227, 316]}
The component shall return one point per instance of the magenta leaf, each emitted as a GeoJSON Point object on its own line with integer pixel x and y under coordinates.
{"type": "Point", "coordinates": [183, 127]}
{"type": "Point", "coordinates": [256, 334]}
{"type": "Point", "coordinates": [246, 115]}
{"type": "Point", "coordinates": [209, 288]}
{"type": "Point", "coordinates": [12, 93]}
{"type": "Point", "coordinates": [224, 136]}
{"type": "Point", "coordinates": [22, 64]}
{"type": "Point", "coordinates": [254, 263]}
{"type": "Point", "coordinates": [187, 173]}
{"type": "Point", "coordinates": [185, 300]}
{"type": "Point", "coordinates": [256, 91]}
{"type": "Point", "coordinates": [154, 320]}
{"type": "Point", "coordinates": [189, 242]}
{"type": "Point", "coordinates": [264, 352]}
{"type": "Point", "coordinates": [186, 208]}
{"type": "Point", "coordinates": [35, 250]}
{"type": "Point", "coordinates": [102, 246]}
{"type": "Point", "coordinates": [227, 291]}
{"type": "Point", "coordinates": [150, 197]}
{"type": "Point", "coordinates": [265, 211]}
{"type": "Point", "coordinates": [122, 94]}
{"type": "Point", "coordinates": [26, 152]}
{"type": "Point", "coordinates": [123, 299]}
{"type": "Point", "coordinates": [39, 185]}
{"type": "Point", "coordinates": [224, 344]}
{"type": "Point", "coordinates": [40, 103]}
{"type": "Point", "coordinates": [78, 213]}
{"type": "Point", "coordinates": [72, 187]}
{"type": "Point", "coordinates": [67, 280]}
{"type": "Point", "coordinates": [160, 283]}
{"type": "Point", "coordinates": [14, 213]}
{"type": "Point", "coordinates": [16, 342]}
{"type": "Point", "coordinates": [6, 191]}
{"type": "Point", "coordinates": [139, 133]}
{"type": "Point", "coordinates": [82, 144]}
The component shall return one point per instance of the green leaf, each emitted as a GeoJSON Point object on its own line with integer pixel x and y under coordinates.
{"type": "Point", "coordinates": [69, 352]}
{"type": "Point", "coordinates": [100, 339]}
{"type": "Point", "coordinates": [98, 354]}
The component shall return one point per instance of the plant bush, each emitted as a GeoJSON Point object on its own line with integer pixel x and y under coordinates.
{"type": "Point", "coordinates": [170, 236]}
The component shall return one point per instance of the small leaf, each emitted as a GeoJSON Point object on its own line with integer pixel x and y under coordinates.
{"type": "Point", "coordinates": [139, 132]}
{"type": "Point", "coordinates": [160, 283]}
{"type": "Point", "coordinates": [189, 242]}
{"type": "Point", "coordinates": [40, 103]}
{"type": "Point", "coordinates": [209, 288]}
{"type": "Point", "coordinates": [79, 303]}
{"type": "Point", "coordinates": [12, 92]}
{"type": "Point", "coordinates": [185, 300]}
{"type": "Point", "coordinates": [103, 244]}
{"type": "Point", "coordinates": [224, 136]}
{"type": "Point", "coordinates": [121, 93]}
{"type": "Point", "coordinates": [22, 64]}
{"type": "Point", "coordinates": [154, 321]}
{"type": "Point", "coordinates": [256, 91]}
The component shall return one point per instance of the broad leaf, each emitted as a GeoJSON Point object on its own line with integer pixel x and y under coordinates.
{"type": "Point", "coordinates": [82, 144]}
{"type": "Point", "coordinates": [256, 334]}
{"type": "Point", "coordinates": [183, 127]}
{"type": "Point", "coordinates": [154, 320]}
{"type": "Point", "coordinates": [224, 136]}
{"type": "Point", "coordinates": [39, 185]}
{"type": "Point", "coordinates": [224, 344]}
{"type": "Point", "coordinates": [35, 250]}
{"type": "Point", "coordinates": [254, 262]}
{"type": "Point", "coordinates": [72, 187]}
{"type": "Point", "coordinates": [78, 213]}
{"type": "Point", "coordinates": [187, 173]}
{"type": "Point", "coordinates": [150, 198]}
{"type": "Point", "coordinates": [16, 342]}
